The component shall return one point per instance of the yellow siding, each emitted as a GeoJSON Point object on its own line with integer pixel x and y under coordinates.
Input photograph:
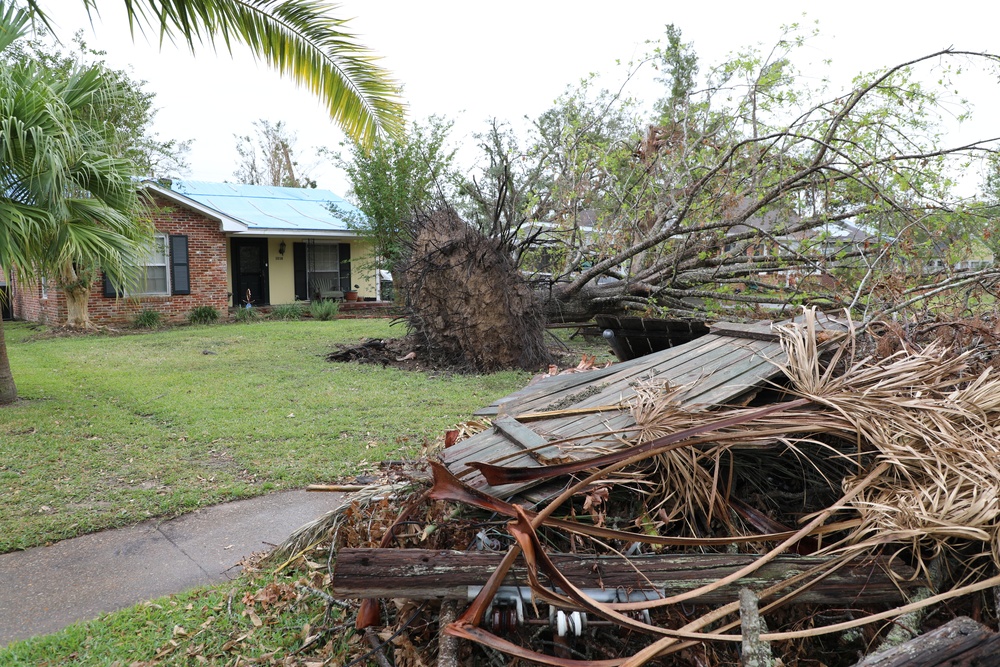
{"type": "Point", "coordinates": [362, 271]}
{"type": "Point", "coordinates": [281, 271]}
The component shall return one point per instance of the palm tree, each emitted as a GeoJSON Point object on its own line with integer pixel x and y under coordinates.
{"type": "Point", "coordinates": [64, 198]}
{"type": "Point", "coordinates": [299, 38]}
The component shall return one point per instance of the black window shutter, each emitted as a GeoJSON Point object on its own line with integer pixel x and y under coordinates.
{"type": "Point", "coordinates": [180, 274]}
{"type": "Point", "coordinates": [110, 290]}
{"type": "Point", "coordinates": [345, 267]}
{"type": "Point", "coordinates": [299, 268]}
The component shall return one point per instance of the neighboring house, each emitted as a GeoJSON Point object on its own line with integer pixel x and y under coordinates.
{"type": "Point", "coordinates": [827, 240]}
{"type": "Point", "coordinates": [225, 244]}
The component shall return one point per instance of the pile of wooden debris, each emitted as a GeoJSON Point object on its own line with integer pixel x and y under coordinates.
{"type": "Point", "coordinates": [792, 494]}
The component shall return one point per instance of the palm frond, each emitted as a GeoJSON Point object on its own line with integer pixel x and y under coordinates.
{"type": "Point", "coordinates": [300, 39]}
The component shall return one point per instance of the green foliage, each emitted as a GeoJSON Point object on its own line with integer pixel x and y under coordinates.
{"type": "Point", "coordinates": [287, 311]}
{"type": "Point", "coordinates": [678, 63]}
{"type": "Point", "coordinates": [393, 179]}
{"type": "Point", "coordinates": [69, 199]}
{"type": "Point", "coordinates": [301, 39]}
{"type": "Point", "coordinates": [203, 315]}
{"type": "Point", "coordinates": [247, 315]}
{"type": "Point", "coordinates": [147, 319]}
{"type": "Point", "coordinates": [751, 175]}
{"type": "Point", "coordinates": [74, 199]}
{"type": "Point", "coordinates": [324, 309]}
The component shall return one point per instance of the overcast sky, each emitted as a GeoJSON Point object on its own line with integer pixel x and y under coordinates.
{"type": "Point", "coordinates": [472, 61]}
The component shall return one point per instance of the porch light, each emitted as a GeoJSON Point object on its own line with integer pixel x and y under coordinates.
{"type": "Point", "coordinates": [281, 248]}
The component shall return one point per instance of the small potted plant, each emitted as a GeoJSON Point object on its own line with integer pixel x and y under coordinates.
{"type": "Point", "coordinates": [352, 295]}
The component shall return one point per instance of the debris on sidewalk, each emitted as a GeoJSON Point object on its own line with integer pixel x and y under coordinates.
{"type": "Point", "coordinates": [613, 516]}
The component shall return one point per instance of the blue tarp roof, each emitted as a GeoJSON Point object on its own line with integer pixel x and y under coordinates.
{"type": "Point", "coordinates": [266, 207]}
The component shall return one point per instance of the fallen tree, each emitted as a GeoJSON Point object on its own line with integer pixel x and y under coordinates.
{"type": "Point", "coordinates": [751, 194]}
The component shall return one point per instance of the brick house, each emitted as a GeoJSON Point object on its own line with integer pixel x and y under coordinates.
{"type": "Point", "coordinates": [223, 245]}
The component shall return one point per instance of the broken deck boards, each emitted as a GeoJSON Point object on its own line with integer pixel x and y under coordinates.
{"type": "Point", "coordinates": [632, 337]}
{"type": "Point", "coordinates": [553, 384]}
{"type": "Point", "coordinates": [419, 574]}
{"type": "Point", "coordinates": [721, 367]}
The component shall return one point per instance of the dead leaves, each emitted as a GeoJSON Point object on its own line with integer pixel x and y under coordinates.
{"type": "Point", "coordinates": [273, 595]}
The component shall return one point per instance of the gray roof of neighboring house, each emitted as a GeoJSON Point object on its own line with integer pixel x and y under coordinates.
{"type": "Point", "coordinates": [265, 208]}
{"type": "Point", "coordinates": [839, 230]}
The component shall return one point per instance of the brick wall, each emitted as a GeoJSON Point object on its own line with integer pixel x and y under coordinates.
{"type": "Point", "coordinates": [208, 271]}
{"type": "Point", "coordinates": [28, 303]}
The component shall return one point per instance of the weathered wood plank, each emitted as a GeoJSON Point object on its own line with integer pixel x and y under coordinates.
{"type": "Point", "coordinates": [428, 574]}
{"type": "Point", "coordinates": [722, 357]}
{"type": "Point", "coordinates": [754, 331]}
{"type": "Point", "coordinates": [961, 642]}
{"type": "Point", "coordinates": [551, 385]}
{"type": "Point", "coordinates": [540, 391]}
{"type": "Point", "coordinates": [518, 433]}
{"type": "Point", "coordinates": [523, 436]}
{"type": "Point", "coordinates": [735, 377]}
{"type": "Point", "coordinates": [625, 373]}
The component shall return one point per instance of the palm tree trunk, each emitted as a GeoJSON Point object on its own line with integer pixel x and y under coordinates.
{"type": "Point", "coordinates": [8, 390]}
{"type": "Point", "coordinates": [77, 291]}
{"type": "Point", "coordinates": [77, 311]}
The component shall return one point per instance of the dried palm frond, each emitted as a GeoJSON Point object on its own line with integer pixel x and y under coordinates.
{"type": "Point", "coordinates": [935, 426]}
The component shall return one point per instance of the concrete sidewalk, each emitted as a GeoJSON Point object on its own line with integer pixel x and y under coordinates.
{"type": "Point", "coordinates": [47, 588]}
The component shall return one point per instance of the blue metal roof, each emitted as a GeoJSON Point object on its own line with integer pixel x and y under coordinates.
{"type": "Point", "coordinates": [264, 207]}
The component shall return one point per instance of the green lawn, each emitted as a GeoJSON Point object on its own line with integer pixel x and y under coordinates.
{"type": "Point", "coordinates": [111, 430]}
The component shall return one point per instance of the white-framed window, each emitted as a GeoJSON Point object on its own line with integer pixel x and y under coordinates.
{"type": "Point", "coordinates": [163, 270]}
{"type": "Point", "coordinates": [322, 270]}
{"type": "Point", "coordinates": [155, 276]}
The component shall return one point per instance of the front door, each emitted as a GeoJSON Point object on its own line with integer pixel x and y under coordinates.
{"type": "Point", "coordinates": [250, 278]}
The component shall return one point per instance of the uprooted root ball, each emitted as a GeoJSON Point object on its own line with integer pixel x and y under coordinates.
{"type": "Point", "coordinates": [466, 301]}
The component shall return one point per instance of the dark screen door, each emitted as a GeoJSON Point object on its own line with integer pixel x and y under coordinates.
{"type": "Point", "coordinates": [250, 276]}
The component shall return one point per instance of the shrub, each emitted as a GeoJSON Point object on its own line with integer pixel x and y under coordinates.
{"type": "Point", "coordinates": [287, 311]}
{"type": "Point", "coordinates": [203, 315]}
{"type": "Point", "coordinates": [324, 310]}
{"type": "Point", "coordinates": [147, 319]}
{"type": "Point", "coordinates": [247, 315]}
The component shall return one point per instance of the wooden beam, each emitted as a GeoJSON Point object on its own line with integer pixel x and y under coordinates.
{"type": "Point", "coordinates": [518, 433]}
{"type": "Point", "coordinates": [961, 642]}
{"type": "Point", "coordinates": [422, 574]}
{"type": "Point", "coordinates": [755, 331]}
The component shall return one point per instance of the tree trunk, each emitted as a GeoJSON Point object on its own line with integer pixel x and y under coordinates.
{"type": "Point", "coordinates": [8, 390]}
{"type": "Point", "coordinates": [77, 311]}
{"type": "Point", "coordinates": [77, 291]}
{"type": "Point", "coordinates": [582, 305]}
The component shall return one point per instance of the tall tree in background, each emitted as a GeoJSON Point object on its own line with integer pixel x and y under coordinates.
{"type": "Point", "coordinates": [268, 158]}
{"type": "Point", "coordinates": [298, 38]}
{"type": "Point", "coordinates": [394, 179]}
{"type": "Point", "coordinates": [67, 198]}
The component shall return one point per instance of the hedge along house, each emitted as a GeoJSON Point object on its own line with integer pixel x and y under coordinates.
{"type": "Point", "coordinates": [226, 244]}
